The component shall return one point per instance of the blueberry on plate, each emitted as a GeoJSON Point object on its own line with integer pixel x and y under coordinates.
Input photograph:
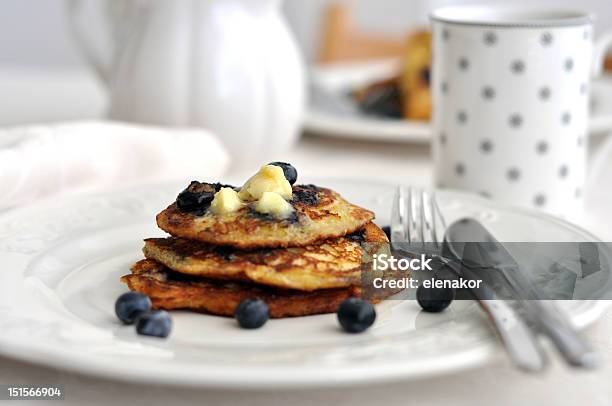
{"type": "Point", "coordinates": [155, 323]}
{"type": "Point", "coordinates": [130, 305]}
{"type": "Point", "coordinates": [434, 300]}
{"type": "Point", "coordinates": [252, 313]}
{"type": "Point", "coordinates": [356, 315]}
{"type": "Point", "coordinates": [288, 170]}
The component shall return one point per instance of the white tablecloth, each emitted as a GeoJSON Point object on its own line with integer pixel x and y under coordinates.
{"type": "Point", "coordinates": [496, 384]}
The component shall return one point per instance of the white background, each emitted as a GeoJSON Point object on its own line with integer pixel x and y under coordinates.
{"type": "Point", "coordinates": [34, 32]}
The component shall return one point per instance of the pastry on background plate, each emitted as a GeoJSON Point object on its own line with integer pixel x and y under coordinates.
{"type": "Point", "coordinates": [406, 95]}
{"type": "Point", "coordinates": [415, 77]}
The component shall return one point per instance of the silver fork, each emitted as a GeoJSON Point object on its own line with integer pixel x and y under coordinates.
{"type": "Point", "coordinates": [417, 227]}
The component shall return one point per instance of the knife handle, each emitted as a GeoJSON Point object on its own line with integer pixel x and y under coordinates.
{"type": "Point", "coordinates": [518, 339]}
{"type": "Point", "coordinates": [572, 346]}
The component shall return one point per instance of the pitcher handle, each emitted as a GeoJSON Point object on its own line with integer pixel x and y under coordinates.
{"type": "Point", "coordinates": [93, 57]}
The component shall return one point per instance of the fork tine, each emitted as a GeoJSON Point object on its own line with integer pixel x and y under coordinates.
{"type": "Point", "coordinates": [437, 212]}
{"type": "Point", "coordinates": [415, 217]}
{"type": "Point", "coordinates": [415, 229]}
{"type": "Point", "coordinates": [438, 222]}
{"type": "Point", "coordinates": [429, 219]}
{"type": "Point", "coordinates": [408, 211]}
{"type": "Point", "coordinates": [398, 229]}
{"type": "Point", "coordinates": [420, 198]}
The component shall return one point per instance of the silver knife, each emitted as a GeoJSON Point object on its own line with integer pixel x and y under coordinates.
{"type": "Point", "coordinates": [487, 253]}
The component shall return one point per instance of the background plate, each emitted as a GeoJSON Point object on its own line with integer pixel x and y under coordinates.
{"type": "Point", "coordinates": [337, 79]}
{"type": "Point", "coordinates": [61, 267]}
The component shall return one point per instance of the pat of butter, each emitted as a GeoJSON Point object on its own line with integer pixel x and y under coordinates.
{"type": "Point", "coordinates": [270, 178]}
{"type": "Point", "coordinates": [226, 201]}
{"type": "Point", "coordinates": [274, 204]}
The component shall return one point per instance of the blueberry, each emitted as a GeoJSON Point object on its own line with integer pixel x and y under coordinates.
{"type": "Point", "coordinates": [288, 170]}
{"type": "Point", "coordinates": [190, 201]}
{"type": "Point", "coordinates": [218, 186]}
{"type": "Point", "coordinates": [382, 100]}
{"type": "Point", "coordinates": [356, 315]}
{"type": "Point", "coordinates": [434, 299]}
{"type": "Point", "coordinates": [130, 305]}
{"type": "Point", "coordinates": [252, 313]}
{"type": "Point", "coordinates": [155, 323]}
{"type": "Point", "coordinates": [425, 75]}
{"type": "Point", "coordinates": [197, 196]}
{"type": "Point", "coordinates": [387, 230]}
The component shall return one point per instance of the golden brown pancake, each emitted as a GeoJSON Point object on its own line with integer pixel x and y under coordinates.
{"type": "Point", "coordinates": [171, 290]}
{"type": "Point", "coordinates": [319, 214]}
{"type": "Point", "coordinates": [333, 263]}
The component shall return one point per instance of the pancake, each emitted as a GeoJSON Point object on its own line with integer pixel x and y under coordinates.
{"type": "Point", "coordinates": [333, 263]}
{"type": "Point", "coordinates": [319, 214]}
{"type": "Point", "coordinates": [171, 290]}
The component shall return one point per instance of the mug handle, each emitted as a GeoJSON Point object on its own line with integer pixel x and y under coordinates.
{"type": "Point", "coordinates": [94, 58]}
{"type": "Point", "coordinates": [601, 45]}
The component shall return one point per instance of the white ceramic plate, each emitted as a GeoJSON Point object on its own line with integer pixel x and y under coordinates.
{"type": "Point", "coordinates": [338, 79]}
{"type": "Point", "coordinates": [61, 264]}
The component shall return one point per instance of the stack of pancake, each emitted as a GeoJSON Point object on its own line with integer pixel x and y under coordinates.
{"type": "Point", "coordinates": [305, 264]}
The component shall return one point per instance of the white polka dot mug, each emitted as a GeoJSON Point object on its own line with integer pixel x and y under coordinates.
{"type": "Point", "coordinates": [510, 103]}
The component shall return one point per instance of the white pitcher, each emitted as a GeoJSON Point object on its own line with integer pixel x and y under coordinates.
{"type": "Point", "coordinates": [231, 66]}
